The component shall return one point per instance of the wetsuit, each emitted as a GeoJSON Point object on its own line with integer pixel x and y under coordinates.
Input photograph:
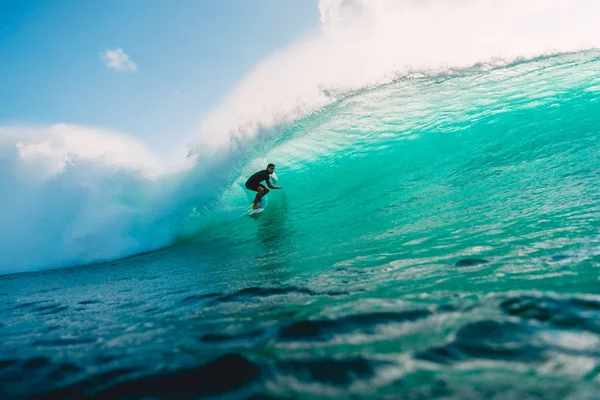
{"type": "Point", "coordinates": [254, 181]}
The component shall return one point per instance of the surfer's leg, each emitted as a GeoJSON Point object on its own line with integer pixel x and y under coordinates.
{"type": "Point", "coordinates": [259, 196]}
{"type": "Point", "coordinates": [261, 192]}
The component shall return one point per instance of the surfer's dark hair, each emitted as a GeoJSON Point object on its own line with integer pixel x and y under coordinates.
{"type": "Point", "coordinates": [270, 165]}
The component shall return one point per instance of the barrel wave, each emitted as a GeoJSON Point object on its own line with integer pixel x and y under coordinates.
{"type": "Point", "coordinates": [437, 235]}
{"type": "Point", "coordinates": [76, 195]}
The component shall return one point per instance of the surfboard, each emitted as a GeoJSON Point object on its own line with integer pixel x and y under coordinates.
{"type": "Point", "coordinates": [262, 203]}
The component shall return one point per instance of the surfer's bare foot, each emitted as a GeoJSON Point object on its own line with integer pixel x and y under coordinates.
{"type": "Point", "coordinates": [256, 206]}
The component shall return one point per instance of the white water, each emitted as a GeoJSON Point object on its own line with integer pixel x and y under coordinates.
{"type": "Point", "coordinates": [368, 42]}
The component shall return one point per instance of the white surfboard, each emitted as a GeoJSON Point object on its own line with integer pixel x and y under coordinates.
{"type": "Point", "coordinates": [262, 203]}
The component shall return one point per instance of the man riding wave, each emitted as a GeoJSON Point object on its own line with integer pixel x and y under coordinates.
{"type": "Point", "coordinates": [254, 183]}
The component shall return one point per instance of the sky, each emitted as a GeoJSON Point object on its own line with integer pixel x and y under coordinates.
{"type": "Point", "coordinates": [147, 68]}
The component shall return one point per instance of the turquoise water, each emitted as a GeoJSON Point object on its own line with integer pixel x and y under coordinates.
{"type": "Point", "coordinates": [436, 237]}
{"type": "Point", "coordinates": [499, 164]}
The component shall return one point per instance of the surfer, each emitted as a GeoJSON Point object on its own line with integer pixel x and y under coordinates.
{"type": "Point", "coordinates": [254, 183]}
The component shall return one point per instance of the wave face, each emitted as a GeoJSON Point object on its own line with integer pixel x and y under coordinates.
{"type": "Point", "coordinates": [76, 195]}
{"type": "Point", "coordinates": [484, 164]}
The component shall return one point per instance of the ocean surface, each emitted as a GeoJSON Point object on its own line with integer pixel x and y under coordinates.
{"type": "Point", "coordinates": [437, 237]}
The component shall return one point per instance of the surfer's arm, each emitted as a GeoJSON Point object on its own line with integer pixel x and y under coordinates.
{"type": "Point", "coordinates": [271, 186]}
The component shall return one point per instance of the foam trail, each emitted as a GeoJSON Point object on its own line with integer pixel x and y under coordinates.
{"type": "Point", "coordinates": [367, 42]}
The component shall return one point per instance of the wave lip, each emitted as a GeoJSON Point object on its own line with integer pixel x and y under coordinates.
{"type": "Point", "coordinates": [364, 43]}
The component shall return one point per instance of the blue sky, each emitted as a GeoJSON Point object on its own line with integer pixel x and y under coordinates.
{"type": "Point", "coordinates": [188, 55]}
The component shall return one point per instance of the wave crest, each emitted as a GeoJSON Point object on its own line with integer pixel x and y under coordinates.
{"type": "Point", "coordinates": [369, 42]}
